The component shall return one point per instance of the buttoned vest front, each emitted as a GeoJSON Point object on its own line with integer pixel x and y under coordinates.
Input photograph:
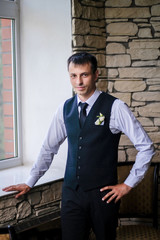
{"type": "Point", "coordinates": [92, 150]}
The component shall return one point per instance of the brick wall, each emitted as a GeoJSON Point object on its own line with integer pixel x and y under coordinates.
{"type": "Point", "coordinates": [7, 89]}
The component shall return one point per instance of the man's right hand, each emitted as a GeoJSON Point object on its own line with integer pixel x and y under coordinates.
{"type": "Point", "coordinates": [20, 188]}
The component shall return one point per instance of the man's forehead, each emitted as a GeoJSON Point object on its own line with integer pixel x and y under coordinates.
{"type": "Point", "coordinates": [75, 66]}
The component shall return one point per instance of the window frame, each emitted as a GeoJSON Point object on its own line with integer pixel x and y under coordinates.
{"type": "Point", "coordinates": [10, 10]}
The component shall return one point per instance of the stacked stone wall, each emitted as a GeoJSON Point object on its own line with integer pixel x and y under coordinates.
{"type": "Point", "coordinates": [125, 38]}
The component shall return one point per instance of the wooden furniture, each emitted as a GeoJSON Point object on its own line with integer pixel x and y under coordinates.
{"type": "Point", "coordinates": [7, 233]}
{"type": "Point", "coordinates": [141, 204]}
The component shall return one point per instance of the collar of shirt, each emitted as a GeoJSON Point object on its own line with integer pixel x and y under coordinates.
{"type": "Point", "coordinates": [90, 101]}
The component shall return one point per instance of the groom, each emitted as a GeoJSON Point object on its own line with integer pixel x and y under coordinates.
{"type": "Point", "coordinates": [92, 121]}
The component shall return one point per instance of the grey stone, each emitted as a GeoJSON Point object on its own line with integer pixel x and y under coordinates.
{"type": "Point", "coordinates": [145, 33]}
{"type": "Point", "coordinates": [93, 13]}
{"type": "Point", "coordinates": [80, 26]}
{"type": "Point", "coordinates": [112, 73]}
{"type": "Point", "coordinates": [130, 86]}
{"type": "Point", "coordinates": [115, 48]}
{"type": "Point", "coordinates": [118, 60]}
{"type": "Point", "coordinates": [145, 44]}
{"type": "Point", "coordinates": [125, 97]}
{"type": "Point", "coordinates": [95, 41]}
{"type": "Point", "coordinates": [7, 214]}
{"type": "Point", "coordinates": [24, 210]}
{"type": "Point", "coordinates": [146, 96]}
{"type": "Point", "coordinates": [145, 121]}
{"type": "Point", "coordinates": [126, 29]}
{"type": "Point", "coordinates": [145, 72]}
{"type": "Point", "coordinates": [78, 41]}
{"type": "Point", "coordinates": [150, 110]}
{"type": "Point", "coordinates": [144, 54]}
{"type": "Point", "coordinates": [146, 2]}
{"type": "Point", "coordinates": [117, 39]}
{"type": "Point", "coordinates": [136, 12]}
{"type": "Point", "coordinates": [76, 9]}
{"type": "Point", "coordinates": [155, 10]}
{"type": "Point", "coordinates": [144, 63]}
{"type": "Point", "coordinates": [117, 3]}
{"type": "Point", "coordinates": [34, 198]}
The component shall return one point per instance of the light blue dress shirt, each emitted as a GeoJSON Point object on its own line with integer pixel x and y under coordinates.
{"type": "Point", "coordinates": [121, 120]}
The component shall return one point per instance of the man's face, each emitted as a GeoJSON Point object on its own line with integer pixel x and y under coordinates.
{"type": "Point", "coordinates": [83, 80]}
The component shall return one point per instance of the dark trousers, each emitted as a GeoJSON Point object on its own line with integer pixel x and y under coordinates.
{"type": "Point", "coordinates": [82, 211]}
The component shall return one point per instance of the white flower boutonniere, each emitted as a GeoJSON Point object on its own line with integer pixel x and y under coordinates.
{"type": "Point", "coordinates": [100, 120]}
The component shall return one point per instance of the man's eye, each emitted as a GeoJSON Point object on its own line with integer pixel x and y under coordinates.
{"type": "Point", "coordinates": [73, 76]}
{"type": "Point", "coordinates": [85, 74]}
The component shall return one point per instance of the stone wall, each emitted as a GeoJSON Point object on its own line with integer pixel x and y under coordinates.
{"type": "Point", "coordinates": [39, 206]}
{"type": "Point", "coordinates": [125, 38]}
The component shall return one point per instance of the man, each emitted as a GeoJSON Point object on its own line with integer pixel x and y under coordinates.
{"type": "Point", "coordinates": [92, 121]}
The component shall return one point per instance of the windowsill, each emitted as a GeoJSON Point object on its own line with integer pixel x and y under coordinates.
{"type": "Point", "coordinates": [20, 174]}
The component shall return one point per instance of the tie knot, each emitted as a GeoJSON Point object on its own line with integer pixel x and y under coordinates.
{"type": "Point", "coordinates": [83, 106]}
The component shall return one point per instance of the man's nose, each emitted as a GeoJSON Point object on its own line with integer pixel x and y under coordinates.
{"type": "Point", "coordinates": [79, 80]}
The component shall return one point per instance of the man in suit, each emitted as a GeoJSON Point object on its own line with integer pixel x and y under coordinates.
{"type": "Point", "coordinates": [92, 121]}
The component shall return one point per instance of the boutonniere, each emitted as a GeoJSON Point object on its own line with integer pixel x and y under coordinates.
{"type": "Point", "coordinates": [100, 120]}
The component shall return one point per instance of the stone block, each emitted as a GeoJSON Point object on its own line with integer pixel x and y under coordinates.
{"type": "Point", "coordinates": [146, 2]}
{"type": "Point", "coordinates": [7, 203]}
{"type": "Point", "coordinates": [146, 96]}
{"type": "Point", "coordinates": [144, 63]}
{"type": "Point", "coordinates": [153, 81]}
{"type": "Point", "coordinates": [118, 39]}
{"type": "Point", "coordinates": [96, 31]}
{"type": "Point", "coordinates": [137, 104]}
{"type": "Point", "coordinates": [7, 214]}
{"type": "Point", "coordinates": [154, 88]}
{"type": "Point", "coordinates": [157, 121]}
{"type": "Point", "coordinates": [150, 110]}
{"type": "Point", "coordinates": [100, 24]}
{"type": "Point", "coordinates": [151, 129]}
{"type": "Point", "coordinates": [136, 12]}
{"type": "Point", "coordinates": [155, 137]}
{"type": "Point", "coordinates": [125, 97]}
{"type": "Point", "coordinates": [78, 41]}
{"type": "Point", "coordinates": [102, 85]}
{"type": "Point", "coordinates": [145, 33]}
{"type": "Point", "coordinates": [93, 3]}
{"type": "Point", "coordinates": [145, 44]}
{"type": "Point", "coordinates": [117, 3]}
{"type": "Point", "coordinates": [118, 60]}
{"type": "Point", "coordinates": [34, 198]}
{"type": "Point", "coordinates": [101, 60]}
{"type": "Point", "coordinates": [80, 26]}
{"type": "Point", "coordinates": [131, 152]}
{"type": "Point", "coordinates": [95, 41]}
{"type": "Point", "coordinates": [130, 86]}
{"type": "Point", "coordinates": [110, 86]}
{"type": "Point", "coordinates": [24, 210]}
{"type": "Point", "coordinates": [93, 13]}
{"type": "Point", "coordinates": [156, 157]}
{"type": "Point", "coordinates": [122, 29]}
{"type": "Point", "coordinates": [112, 73]}
{"type": "Point", "coordinates": [145, 121]}
{"type": "Point", "coordinates": [76, 9]}
{"type": "Point", "coordinates": [121, 156]}
{"type": "Point", "coordinates": [155, 10]}
{"type": "Point", "coordinates": [156, 26]}
{"type": "Point", "coordinates": [145, 72]}
{"type": "Point", "coordinates": [115, 48]}
{"type": "Point", "coordinates": [125, 141]}
{"type": "Point", "coordinates": [144, 54]}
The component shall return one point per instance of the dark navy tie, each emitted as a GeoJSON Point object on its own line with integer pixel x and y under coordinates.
{"type": "Point", "coordinates": [82, 113]}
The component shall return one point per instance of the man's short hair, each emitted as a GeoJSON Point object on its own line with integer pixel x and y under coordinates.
{"type": "Point", "coordinates": [83, 58]}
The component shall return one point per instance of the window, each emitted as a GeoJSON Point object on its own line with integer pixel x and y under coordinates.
{"type": "Point", "coordinates": [10, 150]}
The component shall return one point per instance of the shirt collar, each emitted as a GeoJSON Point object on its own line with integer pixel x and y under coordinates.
{"type": "Point", "coordinates": [92, 99]}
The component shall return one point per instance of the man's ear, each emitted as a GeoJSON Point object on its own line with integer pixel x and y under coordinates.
{"type": "Point", "coordinates": [96, 75]}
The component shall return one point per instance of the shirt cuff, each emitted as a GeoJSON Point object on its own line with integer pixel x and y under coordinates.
{"type": "Point", "coordinates": [132, 181]}
{"type": "Point", "coordinates": [31, 181]}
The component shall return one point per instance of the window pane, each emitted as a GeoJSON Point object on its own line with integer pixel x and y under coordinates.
{"type": "Point", "coordinates": [8, 148]}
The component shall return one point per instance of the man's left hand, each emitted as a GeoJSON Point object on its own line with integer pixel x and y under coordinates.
{"type": "Point", "coordinates": [116, 192]}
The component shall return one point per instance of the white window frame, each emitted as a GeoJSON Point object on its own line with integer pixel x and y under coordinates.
{"type": "Point", "coordinates": [10, 10]}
